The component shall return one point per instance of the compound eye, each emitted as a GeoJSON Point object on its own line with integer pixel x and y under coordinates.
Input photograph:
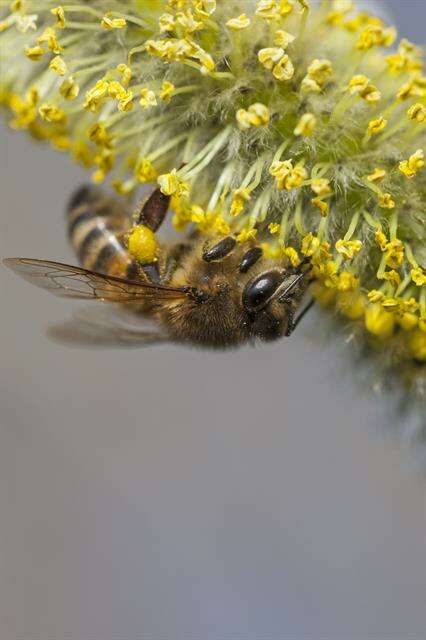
{"type": "Point", "coordinates": [259, 291]}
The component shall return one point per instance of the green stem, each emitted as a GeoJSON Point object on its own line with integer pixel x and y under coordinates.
{"type": "Point", "coordinates": [280, 151]}
{"type": "Point", "coordinates": [169, 145]}
{"type": "Point", "coordinates": [223, 183]}
{"type": "Point", "coordinates": [404, 284]}
{"type": "Point", "coordinates": [382, 267]}
{"type": "Point", "coordinates": [83, 26]}
{"type": "Point", "coordinates": [298, 217]}
{"type": "Point", "coordinates": [393, 225]}
{"type": "Point", "coordinates": [322, 227]}
{"type": "Point", "coordinates": [206, 154]}
{"type": "Point", "coordinates": [81, 8]}
{"type": "Point", "coordinates": [370, 220]}
{"type": "Point", "coordinates": [352, 226]}
{"type": "Point", "coordinates": [410, 256]}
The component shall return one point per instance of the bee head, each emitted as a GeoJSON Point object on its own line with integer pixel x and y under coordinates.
{"type": "Point", "coordinates": [237, 295]}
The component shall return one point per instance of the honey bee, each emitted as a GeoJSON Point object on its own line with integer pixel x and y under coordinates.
{"type": "Point", "coordinates": [214, 293]}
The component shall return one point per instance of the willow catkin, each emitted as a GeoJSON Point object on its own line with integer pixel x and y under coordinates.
{"type": "Point", "coordinates": [301, 127]}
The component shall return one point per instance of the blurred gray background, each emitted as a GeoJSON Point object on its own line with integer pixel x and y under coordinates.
{"type": "Point", "coordinates": [173, 494]}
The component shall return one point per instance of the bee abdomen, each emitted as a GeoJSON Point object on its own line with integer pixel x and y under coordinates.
{"type": "Point", "coordinates": [94, 229]}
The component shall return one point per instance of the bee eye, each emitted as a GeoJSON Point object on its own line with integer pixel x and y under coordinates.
{"type": "Point", "coordinates": [259, 291]}
{"type": "Point", "coordinates": [220, 250]}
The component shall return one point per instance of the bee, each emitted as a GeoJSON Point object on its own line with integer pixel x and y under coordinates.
{"type": "Point", "coordinates": [211, 293]}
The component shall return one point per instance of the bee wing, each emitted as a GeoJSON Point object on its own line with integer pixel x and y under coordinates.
{"type": "Point", "coordinates": [115, 314]}
{"type": "Point", "coordinates": [67, 281]}
{"type": "Point", "coordinates": [103, 328]}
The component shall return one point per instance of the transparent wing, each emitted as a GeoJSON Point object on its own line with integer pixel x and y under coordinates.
{"type": "Point", "coordinates": [105, 328]}
{"type": "Point", "coordinates": [67, 281]}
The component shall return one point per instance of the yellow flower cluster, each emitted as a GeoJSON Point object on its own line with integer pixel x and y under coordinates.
{"type": "Point", "coordinates": [288, 176]}
{"type": "Point", "coordinates": [362, 86]}
{"type": "Point", "coordinates": [277, 61]}
{"type": "Point", "coordinates": [256, 115]}
{"type": "Point", "coordinates": [253, 124]}
{"type": "Point", "coordinates": [414, 163]}
{"type": "Point", "coordinates": [319, 72]}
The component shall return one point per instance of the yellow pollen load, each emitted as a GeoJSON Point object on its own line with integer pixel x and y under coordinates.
{"type": "Point", "coordinates": [142, 244]}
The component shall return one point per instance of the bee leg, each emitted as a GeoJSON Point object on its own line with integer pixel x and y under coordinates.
{"type": "Point", "coordinates": [290, 321]}
{"type": "Point", "coordinates": [293, 322]}
{"type": "Point", "coordinates": [305, 261]}
{"type": "Point", "coordinates": [152, 272]}
{"type": "Point", "coordinates": [151, 215]}
{"type": "Point", "coordinates": [174, 257]}
{"type": "Point", "coordinates": [154, 210]}
{"type": "Point", "coordinates": [220, 250]}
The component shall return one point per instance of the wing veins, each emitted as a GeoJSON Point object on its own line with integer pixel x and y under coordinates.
{"type": "Point", "coordinates": [56, 277]}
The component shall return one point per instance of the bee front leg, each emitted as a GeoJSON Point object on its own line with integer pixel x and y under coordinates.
{"type": "Point", "coordinates": [293, 321]}
{"type": "Point", "coordinates": [291, 307]}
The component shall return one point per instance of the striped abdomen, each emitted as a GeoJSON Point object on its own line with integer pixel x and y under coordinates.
{"type": "Point", "coordinates": [94, 229]}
